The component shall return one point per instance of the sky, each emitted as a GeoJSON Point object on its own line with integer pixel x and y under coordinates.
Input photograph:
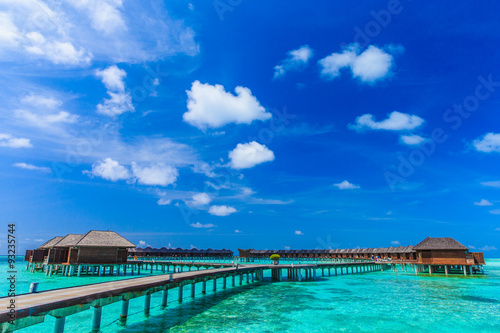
{"type": "Point", "coordinates": [251, 124]}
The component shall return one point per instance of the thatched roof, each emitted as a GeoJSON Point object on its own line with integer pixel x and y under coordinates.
{"type": "Point", "coordinates": [103, 239]}
{"type": "Point", "coordinates": [69, 240]}
{"type": "Point", "coordinates": [439, 243]}
{"type": "Point", "coordinates": [50, 243]}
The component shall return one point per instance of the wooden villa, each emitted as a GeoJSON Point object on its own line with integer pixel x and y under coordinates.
{"type": "Point", "coordinates": [432, 255]}
{"type": "Point", "coordinates": [179, 253]}
{"type": "Point", "coordinates": [445, 254]}
{"type": "Point", "coordinates": [94, 247]}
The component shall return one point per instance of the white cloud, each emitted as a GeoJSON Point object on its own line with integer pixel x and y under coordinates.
{"type": "Point", "coordinates": [395, 243]}
{"type": "Point", "coordinates": [105, 29]}
{"type": "Point", "coordinates": [119, 101]}
{"type": "Point", "coordinates": [483, 202]}
{"type": "Point", "coordinates": [488, 248]}
{"type": "Point", "coordinates": [412, 140]}
{"type": "Point", "coordinates": [471, 247]}
{"type": "Point", "coordinates": [7, 140]}
{"type": "Point", "coordinates": [105, 15]}
{"type": "Point", "coordinates": [199, 225]}
{"type": "Point", "coordinates": [163, 202]}
{"type": "Point", "coordinates": [142, 244]}
{"type": "Point", "coordinates": [31, 167]}
{"type": "Point", "coordinates": [41, 101]}
{"type": "Point", "coordinates": [297, 59]}
{"type": "Point", "coordinates": [9, 34]}
{"type": "Point", "coordinates": [396, 121]}
{"type": "Point", "coordinates": [112, 78]}
{"type": "Point", "coordinates": [287, 247]}
{"type": "Point", "coordinates": [58, 52]}
{"type": "Point", "coordinates": [495, 211]}
{"type": "Point", "coordinates": [298, 232]}
{"type": "Point", "coordinates": [116, 105]}
{"type": "Point", "coordinates": [345, 185]}
{"type": "Point", "coordinates": [248, 155]}
{"type": "Point", "coordinates": [491, 184]}
{"type": "Point", "coordinates": [155, 174]}
{"type": "Point", "coordinates": [238, 231]}
{"type": "Point", "coordinates": [201, 199]}
{"type": "Point", "coordinates": [221, 210]}
{"type": "Point", "coordinates": [490, 142]}
{"type": "Point", "coordinates": [371, 65]}
{"type": "Point", "coordinates": [110, 169]}
{"type": "Point", "coordinates": [211, 106]}
{"type": "Point", "coordinates": [43, 120]}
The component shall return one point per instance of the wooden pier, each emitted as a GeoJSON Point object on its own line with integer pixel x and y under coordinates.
{"type": "Point", "coordinates": [32, 308]}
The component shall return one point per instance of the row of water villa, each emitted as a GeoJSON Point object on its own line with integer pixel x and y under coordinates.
{"type": "Point", "coordinates": [108, 253]}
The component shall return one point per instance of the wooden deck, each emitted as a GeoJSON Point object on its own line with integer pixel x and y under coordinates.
{"type": "Point", "coordinates": [46, 301]}
{"type": "Point", "coordinates": [31, 309]}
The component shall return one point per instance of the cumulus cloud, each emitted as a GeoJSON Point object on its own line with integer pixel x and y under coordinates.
{"type": "Point", "coordinates": [488, 248]}
{"type": "Point", "coordinates": [27, 166]}
{"type": "Point", "coordinates": [110, 169]}
{"type": "Point", "coordinates": [221, 210]}
{"type": "Point", "coordinates": [395, 243]}
{"type": "Point", "coordinates": [155, 174]}
{"type": "Point", "coordinates": [298, 232]}
{"type": "Point", "coordinates": [483, 202]}
{"type": "Point", "coordinates": [369, 66]}
{"type": "Point", "coordinates": [7, 140]}
{"type": "Point", "coordinates": [212, 107]}
{"type": "Point", "coordinates": [238, 231]}
{"type": "Point", "coordinates": [495, 211]}
{"type": "Point", "coordinates": [248, 155]}
{"type": "Point", "coordinates": [412, 140]}
{"type": "Point", "coordinates": [120, 101]}
{"type": "Point", "coordinates": [199, 225]}
{"type": "Point", "coordinates": [112, 78]}
{"type": "Point", "coordinates": [396, 121]}
{"type": "Point", "coordinates": [200, 199]}
{"type": "Point", "coordinates": [490, 142]}
{"type": "Point", "coordinates": [296, 60]}
{"type": "Point", "coordinates": [345, 185]}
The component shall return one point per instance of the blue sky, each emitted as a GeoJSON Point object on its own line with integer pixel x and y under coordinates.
{"type": "Point", "coordinates": [249, 124]}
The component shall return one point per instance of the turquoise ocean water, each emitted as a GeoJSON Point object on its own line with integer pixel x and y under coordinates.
{"type": "Point", "coordinates": [370, 302]}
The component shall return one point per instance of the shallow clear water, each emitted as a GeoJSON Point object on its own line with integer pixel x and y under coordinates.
{"type": "Point", "coordinates": [370, 302]}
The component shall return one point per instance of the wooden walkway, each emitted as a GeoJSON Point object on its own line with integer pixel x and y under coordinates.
{"type": "Point", "coordinates": [31, 309]}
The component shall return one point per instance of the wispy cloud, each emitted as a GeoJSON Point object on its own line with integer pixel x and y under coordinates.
{"type": "Point", "coordinates": [27, 166]}
{"type": "Point", "coordinates": [199, 225]}
{"type": "Point", "coordinates": [483, 202]}
{"type": "Point", "coordinates": [296, 60]}
{"type": "Point", "coordinates": [7, 140]}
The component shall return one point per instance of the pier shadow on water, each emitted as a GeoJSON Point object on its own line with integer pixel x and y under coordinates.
{"type": "Point", "coordinates": [222, 311]}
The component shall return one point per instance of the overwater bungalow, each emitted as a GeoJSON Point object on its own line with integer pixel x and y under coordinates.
{"type": "Point", "coordinates": [94, 247]}
{"type": "Point", "coordinates": [164, 252]}
{"type": "Point", "coordinates": [445, 254]}
{"type": "Point", "coordinates": [439, 252]}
